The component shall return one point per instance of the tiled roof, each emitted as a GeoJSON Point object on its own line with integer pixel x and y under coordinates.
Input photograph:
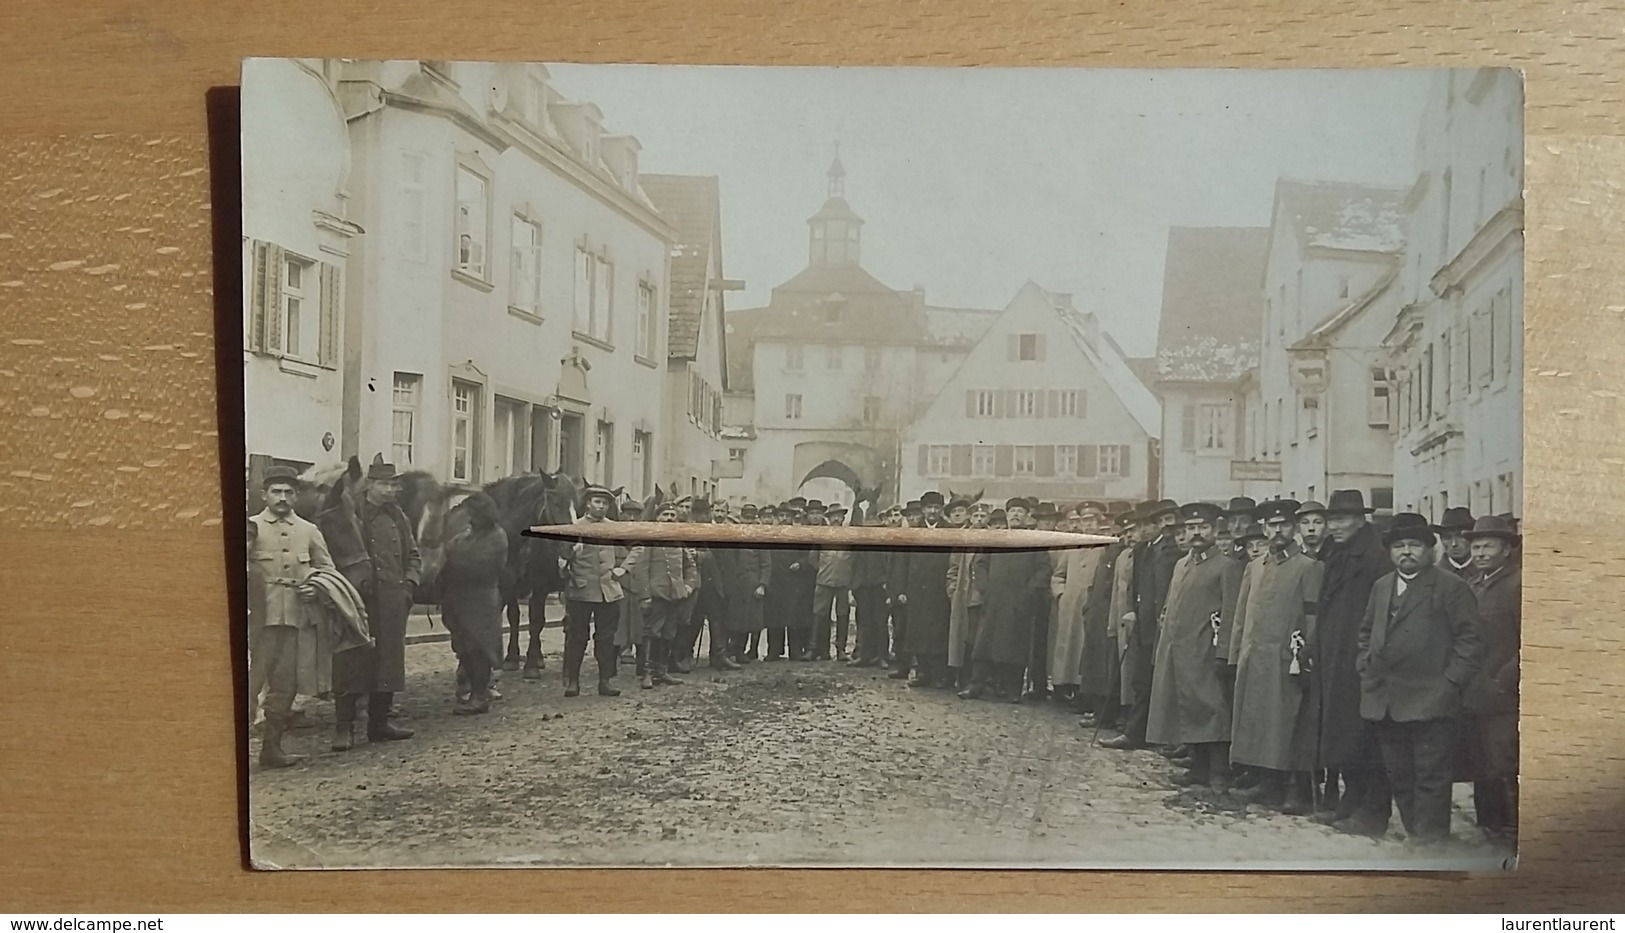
{"type": "Point", "coordinates": [1212, 303]}
{"type": "Point", "coordinates": [690, 203]}
{"type": "Point", "coordinates": [1337, 215]}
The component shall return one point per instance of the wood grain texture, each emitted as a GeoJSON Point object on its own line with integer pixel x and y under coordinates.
{"type": "Point", "coordinates": [118, 789]}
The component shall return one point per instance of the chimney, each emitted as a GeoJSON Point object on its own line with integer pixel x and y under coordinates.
{"type": "Point", "coordinates": [1091, 327]}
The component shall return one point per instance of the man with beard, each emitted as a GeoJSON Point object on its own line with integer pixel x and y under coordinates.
{"type": "Point", "coordinates": [1017, 512]}
{"type": "Point", "coordinates": [1276, 607]}
{"type": "Point", "coordinates": [385, 572]}
{"type": "Point", "coordinates": [789, 593]}
{"type": "Point", "coordinates": [1354, 559]}
{"type": "Point", "coordinates": [1153, 572]}
{"type": "Point", "coordinates": [1419, 648]}
{"type": "Point", "coordinates": [1492, 695]}
{"type": "Point", "coordinates": [925, 592]}
{"type": "Point", "coordinates": [1189, 703]}
{"type": "Point", "coordinates": [1458, 554]}
{"type": "Point", "coordinates": [966, 570]}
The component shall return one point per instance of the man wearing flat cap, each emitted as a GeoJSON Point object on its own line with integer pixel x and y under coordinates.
{"type": "Point", "coordinates": [1355, 559]}
{"type": "Point", "coordinates": [1492, 695]}
{"type": "Point", "coordinates": [385, 572]}
{"type": "Point", "coordinates": [1457, 553]}
{"type": "Point", "coordinates": [1276, 606]}
{"type": "Point", "coordinates": [1311, 528]}
{"type": "Point", "coordinates": [1153, 571]}
{"type": "Point", "coordinates": [1419, 649]}
{"type": "Point", "coordinates": [1190, 704]}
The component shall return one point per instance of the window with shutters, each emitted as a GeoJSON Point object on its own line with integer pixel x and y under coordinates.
{"type": "Point", "coordinates": [414, 205]}
{"type": "Point", "coordinates": [938, 460]}
{"type": "Point", "coordinates": [1025, 402]}
{"type": "Point", "coordinates": [1427, 383]}
{"type": "Point", "coordinates": [472, 228]}
{"type": "Point", "coordinates": [511, 446]}
{"type": "Point", "coordinates": [525, 285]}
{"type": "Point", "coordinates": [403, 423]}
{"type": "Point", "coordinates": [465, 398]}
{"type": "Point", "coordinates": [793, 359]}
{"type": "Point", "coordinates": [792, 407]}
{"type": "Point", "coordinates": [982, 460]}
{"type": "Point", "coordinates": [301, 308]}
{"type": "Point", "coordinates": [1378, 410]}
{"type": "Point", "coordinates": [1110, 460]}
{"type": "Point", "coordinates": [1213, 423]}
{"type": "Point", "coordinates": [1025, 460]}
{"type": "Point", "coordinates": [1066, 460]}
{"type": "Point", "coordinates": [603, 299]}
{"type": "Point", "coordinates": [594, 280]}
{"type": "Point", "coordinates": [1276, 427]}
{"type": "Point", "coordinates": [983, 403]}
{"type": "Point", "coordinates": [646, 321]}
{"type": "Point", "coordinates": [871, 409]}
{"type": "Point", "coordinates": [1026, 346]}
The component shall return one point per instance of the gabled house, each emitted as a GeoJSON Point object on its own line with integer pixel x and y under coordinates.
{"type": "Point", "coordinates": [1045, 404]}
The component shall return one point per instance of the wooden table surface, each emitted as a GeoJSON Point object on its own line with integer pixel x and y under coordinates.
{"type": "Point", "coordinates": [119, 789]}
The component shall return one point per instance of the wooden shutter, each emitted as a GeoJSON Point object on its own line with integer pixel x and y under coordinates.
{"type": "Point", "coordinates": [925, 460]}
{"type": "Point", "coordinates": [328, 351]}
{"type": "Point", "coordinates": [970, 403]}
{"type": "Point", "coordinates": [1044, 459]}
{"type": "Point", "coordinates": [1122, 460]}
{"type": "Point", "coordinates": [1004, 460]}
{"type": "Point", "coordinates": [1088, 459]}
{"type": "Point", "coordinates": [1013, 346]}
{"type": "Point", "coordinates": [959, 460]}
{"type": "Point", "coordinates": [271, 336]}
{"type": "Point", "coordinates": [1187, 427]}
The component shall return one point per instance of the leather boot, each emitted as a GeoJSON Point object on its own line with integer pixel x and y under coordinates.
{"type": "Point", "coordinates": [344, 731]}
{"type": "Point", "coordinates": [607, 657]}
{"type": "Point", "coordinates": [379, 728]}
{"type": "Point", "coordinates": [1297, 802]}
{"type": "Point", "coordinates": [645, 678]}
{"type": "Point", "coordinates": [271, 754]}
{"type": "Point", "coordinates": [663, 651]}
{"type": "Point", "coordinates": [572, 676]}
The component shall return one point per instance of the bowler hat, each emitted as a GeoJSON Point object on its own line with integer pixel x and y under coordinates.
{"type": "Point", "coordinates": [280, 474]}
{"type": "Point", "coordinates": [1492, 526]}
{"type": "Point", "coordinates": [1199, 512]}
{"type": "Point", "coordinates": [1162, 507]}
{"type": "Point", "coordinates": [1348, 502]}
{"type": "Point", "coordinates": [1409, 526]}
{"type": "Point", "coordinates": [1277, 508]}
{"type": "Point", "coordinates": [1045, 510]}
{"type": "Point", "coordinates": [1457, 519]}
{"type": "Point", "coordinates": [931, 498]}
{"type": "Point", "coordinates": [912, 507]}
{"type": "Point", "coordinates": [1241, 505]}
{"type": "Point", "coordinates": [815, 506]}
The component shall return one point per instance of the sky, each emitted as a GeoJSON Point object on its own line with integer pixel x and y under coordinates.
{"type": "Point", "coordinates": [974, 180]}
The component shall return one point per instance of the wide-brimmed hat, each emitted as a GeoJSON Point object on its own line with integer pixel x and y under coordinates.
{"type": "Point", "coordinates": [280, 474]}
{"type": "Point", "coordinates": [1162, 507]}
{"type": "Point", "coordinates": [1457, 519]}
{"type": "Point", "coordinates": [1409, 526]}
{"type": "Point", "coordinates": [931, 498]}
{"type": "Point", "coordinates": [1195, 513]}
{"type": "Point", "coordinates": [1241, 505]}
{"type": "Point", "coordinates": [1276, 508]}
{"type": "Point", "coordinates": [1348, 502]}
{"type": "Point", "coordinates": [1493, 526]}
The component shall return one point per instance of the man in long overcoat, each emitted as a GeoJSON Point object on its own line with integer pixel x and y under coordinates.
{"type": "Point", "coordinates": [1419, 648]}
{"type": "Point", "coordinates": [1016, 587]}
{"type": "Point", "coordinates": [967, 573]}
{"type": "Point", "coordinates": [924, 591]}
{"type": "Point", "coordinates": [1276, 607]}
{"type": "Point", "coordinates": [711, 599]}
{"type": "Point", "coordinates": [788, 610]}
{"type": "Point", "coordinates": [909, 516]}
{"type": "Point", "coordinates": [1101, 682]}
{"type": "Point", "coordinates": [1153, 574]}
{"type": "Point", "coordinates": [1354, 559]}
{"type": "Point", "coordinates": [870, 567]}
{"type": "Point", "coordinates": [592, 599]}
{"type": "Point", "coordinates": [1072, 586]}
{"type": "Point", "coordinates": [385, 570]}
{"type": "Point", "coordinates": [1136, 529]}
{"type": "Point", "coordinates": [743, 573]}
{"type": "Point", "coordinates": [1492, 695]}
{"type": "Point", "coordinates": [1189, 703]}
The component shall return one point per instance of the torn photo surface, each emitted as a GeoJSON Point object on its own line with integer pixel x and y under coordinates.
{"type": "Point", "coordinates": [1264, 328]}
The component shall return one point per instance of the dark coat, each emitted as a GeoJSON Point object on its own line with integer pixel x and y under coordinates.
{"type": "Point", "coordinates": [1189, 702]}
{"type": "Point", "coordinates": [1099, 629]}
{"type": "Point", "coordinates": [1418, 650]}
{"type": "Point", "coordinates": [710, 574]}
{"type": "Point", "coordinates": [870, 567]}
{"type": "Point", "coordinates": [740, 570]}
{"type": "Point", "coordinates": [1015, 590]}
{"type": "Point", "coordinates": [925, 582]}
{"type": "Point", "coordinates": [1500, 605]}
{"type": "Point", "coordinates": [471, 601]}
{"type": "Point", "coordinates": [1351, 568]}
{"type": "Point", "coordinates": [790, 591]}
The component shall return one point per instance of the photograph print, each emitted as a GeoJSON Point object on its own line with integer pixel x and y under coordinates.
{"type": "Point", "coordinates": [1261, 328]}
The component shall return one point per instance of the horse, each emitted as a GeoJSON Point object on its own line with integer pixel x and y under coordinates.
{"type": "Point", "coordinates": [533, 570]}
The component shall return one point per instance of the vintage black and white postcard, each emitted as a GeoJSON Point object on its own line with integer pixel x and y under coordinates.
{"type": "Point", "coordinates": [1262, 327]}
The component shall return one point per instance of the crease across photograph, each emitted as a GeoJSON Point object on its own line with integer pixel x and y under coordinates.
{"type": "Point", "coordinates": [1262, 328]}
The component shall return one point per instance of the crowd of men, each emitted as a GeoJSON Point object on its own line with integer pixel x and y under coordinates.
{"type": "Point", "coordinates": [1299, 656]}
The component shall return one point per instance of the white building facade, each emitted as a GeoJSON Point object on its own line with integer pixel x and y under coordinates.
{"type": "Point", "coordinates": [297, 242]}
{"type": "Point", "coordinates": [1457, 349]}
{"type": "Point", "coordinates": [1044, 405]}
{"type": "Point", "coordinates": [507, 313]}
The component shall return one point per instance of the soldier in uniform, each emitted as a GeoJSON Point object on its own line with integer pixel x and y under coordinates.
{"type": "Point", "coordinates": [283, 552]}
{"type": "Point", "coordinates": [592, 599]}
{"type": "Point", "coordinates": [1154, 562]}
{"type": "Point", "coordinates": [663, 578]}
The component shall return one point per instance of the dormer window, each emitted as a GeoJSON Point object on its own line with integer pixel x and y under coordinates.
{"type": "Point", "coordinates": [589, 142]}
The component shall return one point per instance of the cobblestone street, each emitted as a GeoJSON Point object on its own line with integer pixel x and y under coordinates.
{"type": "Point", "coordinates": [786, 763]}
